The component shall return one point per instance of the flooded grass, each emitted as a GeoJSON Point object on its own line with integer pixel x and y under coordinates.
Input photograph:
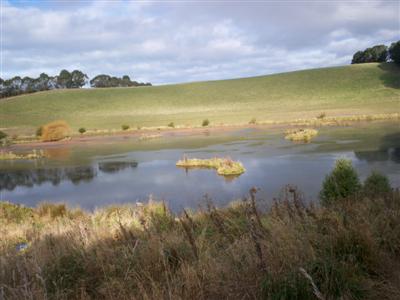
{"type": "Point", "coordinates": [224, 166]}
{"type": "Point", "coordinates": [145, 137]}
{"type": "Point", "coordinates": [9, 155]}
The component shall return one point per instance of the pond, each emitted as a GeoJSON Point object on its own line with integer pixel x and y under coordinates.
{"type": "Point", "coordinates": [130, 170]}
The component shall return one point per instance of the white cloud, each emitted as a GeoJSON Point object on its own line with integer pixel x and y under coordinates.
{"type": "Point", "coordinates": [164, 42]}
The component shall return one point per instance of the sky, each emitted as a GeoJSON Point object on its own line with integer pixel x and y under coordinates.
{"type": "Point", "coordinates": [182, 41]}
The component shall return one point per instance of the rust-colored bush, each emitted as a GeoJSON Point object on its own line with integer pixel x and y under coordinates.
{"type": "Point", "coordinates": [55, 131]}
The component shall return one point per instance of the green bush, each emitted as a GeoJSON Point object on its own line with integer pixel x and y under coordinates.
{"type": "Point", "coordinates": [376, 184]}
{"type": "Point", "coordinates": [171, 125]}
{"type": "Point", "coordinates": [342, 182]}
{"type": "Point", "coordinates": [206, 122]}
{"type": "Point", "coordinates": [125, 127]}
{"type": "Point", "coordinates": [82, 130]}
{"type": "Point", "coordinates": [3, 135]}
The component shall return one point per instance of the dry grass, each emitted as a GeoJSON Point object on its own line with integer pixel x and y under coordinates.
{"type": "Point", "coordinates": [290, 251]}
{"type": "Point", "coordinates": [224, 166]}
{"type": "Point", "coordinates": [304, 135]}
{"type": "Point", "coordinates": [9, 155]}
{"type": "Point", "coordinates": [55, 131]}
{"type": "Point", "coordinates": [145, 137]}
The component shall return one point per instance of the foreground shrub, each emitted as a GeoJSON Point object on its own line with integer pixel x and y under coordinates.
{"type": "Point", "coordinates": [55, 131]}
{"type": "Point", "coordinates": [205, 123]}
{"type": "Point", "coordinates": [342, 182]}
{"type": "Point", "coordinates": [52, 210]}
{"type": "Point", "coordinates": [125, 127]}
{"type": "Point", "coordinates": [293, 250]}
{"type": "Point", "coordinates": [376, 184]}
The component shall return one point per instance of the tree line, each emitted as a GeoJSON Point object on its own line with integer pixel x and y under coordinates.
{"type": "Point", "coordinates": [65, 80]}
{"type": "Point", "coordinates": [378, 53]}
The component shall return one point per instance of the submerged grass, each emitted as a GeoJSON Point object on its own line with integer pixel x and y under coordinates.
{"type": "Point", "coordinates": [290, 251]}
{"type": "Point", "coordinates": [224, 166]}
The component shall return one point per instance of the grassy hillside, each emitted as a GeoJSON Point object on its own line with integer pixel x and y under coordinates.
{"type": "Point", "coordinates": [348, 90]}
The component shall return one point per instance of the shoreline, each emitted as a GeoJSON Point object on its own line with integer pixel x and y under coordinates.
{"type": "Point", "coordinates": [164, 131]}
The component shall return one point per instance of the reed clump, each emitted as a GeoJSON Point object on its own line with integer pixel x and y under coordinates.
{"type": "Point", "coordinates": [55, 131]}
{"type": "Point", "coordinates": [224, 166]}
{"type": "Point", "coordinates": [292, 250]}
{"type": "Point", "coordinates": [301, 134]}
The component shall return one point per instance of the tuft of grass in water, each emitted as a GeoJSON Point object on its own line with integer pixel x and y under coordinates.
{"type": "Point", "coordinates": [292, 250]}
{"type": "Point", "coordinates": [224, 166]}
{"type": "Point", "coordinates": [304, 135]}
{"type": "Point", "coordinates": [9, 155]}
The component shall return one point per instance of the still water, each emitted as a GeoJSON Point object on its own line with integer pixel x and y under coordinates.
{"type": "Point", "coordinates": [129, 170]}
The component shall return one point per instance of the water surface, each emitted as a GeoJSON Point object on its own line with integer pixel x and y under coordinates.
{"type": "Point", "coordinates": [129, 170]}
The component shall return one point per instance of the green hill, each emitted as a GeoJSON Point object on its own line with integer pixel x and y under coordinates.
{"type": "Point", "coordinates": [339, 91]}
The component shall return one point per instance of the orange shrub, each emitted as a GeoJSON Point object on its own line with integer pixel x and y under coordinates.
{"type": "Point", "coordinates": [55, 131]}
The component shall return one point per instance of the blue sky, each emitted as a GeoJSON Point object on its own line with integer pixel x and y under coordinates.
{"type": "Point", "coordinates": [180, 41]}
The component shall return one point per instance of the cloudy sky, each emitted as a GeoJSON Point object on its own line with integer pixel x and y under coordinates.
{"type": "Point", "coordinates": [180, 41]}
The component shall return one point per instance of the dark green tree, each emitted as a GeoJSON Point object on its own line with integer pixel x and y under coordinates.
{"type": "Point", "coordinates": [358, 57]}
{"type": "Point", "coordinates": [376, 185]}
{"type": "Point", "coordinates": [101, 81]}
{"type": "Point", "coordinates": [78, 79]}
{"type": "Point", "coordinates": [394, 52]}
{"type": "Point", "coordinates": [342, 182]}
{"type": "Point", "coordinates": [378, 53]}
{"type": "Point", "coordinates": [64, 80]}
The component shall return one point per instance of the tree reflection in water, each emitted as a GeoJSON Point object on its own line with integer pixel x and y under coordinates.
{"type": "Point", "coordinates": [10, 179]}
{"type": "Point", "coordinates": [388, 150]}
{"type": "Point", "coordinates": [116, 166]}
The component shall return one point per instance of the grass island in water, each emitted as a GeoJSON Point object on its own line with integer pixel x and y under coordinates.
{"type": "Point", "coordinates": [224, 166]}
{"type": "Point", "coordinates": [301, 134]}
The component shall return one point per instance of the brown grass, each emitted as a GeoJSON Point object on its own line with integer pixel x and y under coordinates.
{"type": "Point", "coordinates": [224, 166]}
{"type": "Point", "coordinates": [301, 134]}
{"type": "Point", "coordinates": [9, 155]}
{"type": "Point", "coordinates": [289, 251]}
{"type": "Point", "coordinates": [55, 131]}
